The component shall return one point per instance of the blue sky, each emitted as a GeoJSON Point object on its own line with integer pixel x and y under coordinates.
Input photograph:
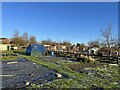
{"type": "Point", "coordinates": [76, 22]}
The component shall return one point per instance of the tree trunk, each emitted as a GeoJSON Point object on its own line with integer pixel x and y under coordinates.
{"type": "Point", "coordinates": [109, 54]}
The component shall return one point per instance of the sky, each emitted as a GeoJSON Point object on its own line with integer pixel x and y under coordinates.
{"type": "Point", "coordinates": [77, 22]}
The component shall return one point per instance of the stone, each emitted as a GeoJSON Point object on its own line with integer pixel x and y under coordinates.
{"type": "Point", "coordinates": [36, 66]}
{"type": "Point", "coordinates": [58, 75]}
{"type": "Point", "coordinates": [27, 83]}
{"type": "Point", "coordinates": [31, 74]}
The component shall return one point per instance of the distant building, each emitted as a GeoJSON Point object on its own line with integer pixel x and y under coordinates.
{"type": "Point", "coordinates": [4, 41]}
{"type": "Point", "coordinates": [13, 46]}
{"type": "Point", "coordinates": [93, 50]}
{"type": "Point", "coordinates": [47, 47]}
{"type": "Point", "coordinates": [55, 47]}
{"type": "Point", "coordinates": [4, 44]}
{"type": "Point", "coordinates": [50, 47]}
{"type": "Point", "coordinates": [115, 51]}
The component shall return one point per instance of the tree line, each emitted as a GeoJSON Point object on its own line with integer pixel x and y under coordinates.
{"type": "Point", "coordinates": [106, 42]}
{"type": "Point", "coordinates": [23, 40]}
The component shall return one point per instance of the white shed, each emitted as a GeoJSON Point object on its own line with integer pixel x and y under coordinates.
{"type": "Point", "coordinates": [93, 51]}
{"type": "Point", "coordinates": [4, 47]}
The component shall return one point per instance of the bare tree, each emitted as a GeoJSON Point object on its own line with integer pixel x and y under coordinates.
{"type": "Point", "coordinates": [107, 36]}
{"type": "Point", "coordinates": [25, 38]}
{"type": "Point", "coordinates": [94, 43]}
{"type": "Point", "coordinates": [15, 38]}
{"type": "Point", "coordinates": [47, 42]}
{"type": "Point", "coordinates": [32, 40]}
{"type": "Point", "coordinates": [66, 43]}
{"type": "Point", "coordinates": [16, 33]}
{"type": "Point", "coordinates": [20, 41]}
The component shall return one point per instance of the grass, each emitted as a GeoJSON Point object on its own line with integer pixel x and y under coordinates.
{"type": "Point", "coordinates": [22, 52]}
{"type": "Point", "coordinates": [9, 55]}
{"type": "Point", "coordinates": [8, 52]}
{"type": "Point", "coordinates": [105, 76]}
{"type": "Point", "coordinates": [9, 58]}
{"type": "Point", "coordinates": [61, 68]}
{"type": "Point", "coordinates": [5, 58]}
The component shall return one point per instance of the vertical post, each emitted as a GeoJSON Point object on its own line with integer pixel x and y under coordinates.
{"type": "Point", "coordinates": [118, 32]}
{"type": "Point", "coordinates": [118, 39]}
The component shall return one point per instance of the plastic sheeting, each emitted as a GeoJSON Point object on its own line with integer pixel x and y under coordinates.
{"type": "Point", "coordinates": [16, 75]}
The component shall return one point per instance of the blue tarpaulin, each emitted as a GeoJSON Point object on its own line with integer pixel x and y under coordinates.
{"type": "Point", "coordinates": [35, 49]}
